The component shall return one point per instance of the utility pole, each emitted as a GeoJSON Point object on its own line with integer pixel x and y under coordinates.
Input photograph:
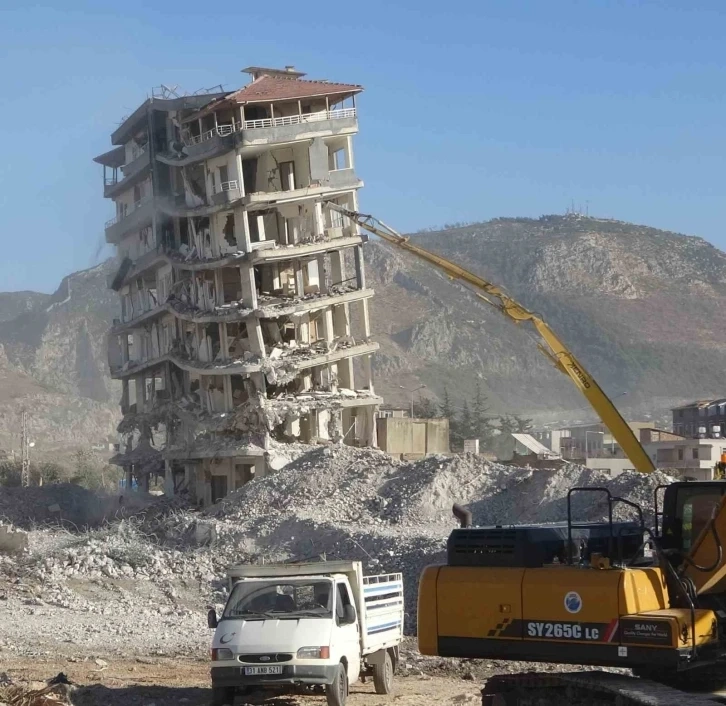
{"type": "Point", "coordinates": [25, 452]}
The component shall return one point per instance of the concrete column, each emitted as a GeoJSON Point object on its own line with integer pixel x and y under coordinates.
{"type": "Point", "coordinates": [242, 231]}
{"type": "Point", "coordinates": [371, 430]}
{"type": "Point", "coordinates": [223, 341]}
{"type": "Point", "coordinates": [324, 273]}
{"type": "Point", "coordinates": [218, 288]}
{"type": "Point", "coordinates": [254, 331]}
{"type": "Point", "coordinates": [299, 279]}
{"type": "Point", "coordinates": [345, 373]}
{"type": "Point", "coordinates": [129, 478]}
{"type": "Point", "coordinates": [249, 288]}
{"type": "Point", "coordinates": [351, 164]}
{"type": "Point", "coordinates": [360, 272]}
{"type": "Point", "coordinates": [368, 373]}
{"type": "Point", "coordinates": [144, 482]}
{"type": "Point", "coordinates": [365, 318]}
{"type": "Point", "coordinates": [328, 325]}
{"type": "Point", "coordinates": [124, 394]}
{"type": "Point", "coordinates": [319, 219]}
{"type": "Point", "coordinates": [168, 479]}
{"type": "Point", "coordinates": [261, 226]}
{"type": "Point", "coordinates": [228, 395]}
{"type": "Point", "coordinates": [140, 404]}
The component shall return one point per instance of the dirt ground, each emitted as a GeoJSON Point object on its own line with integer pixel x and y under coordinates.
{"type": "Point", "coordinates": [173, 682]}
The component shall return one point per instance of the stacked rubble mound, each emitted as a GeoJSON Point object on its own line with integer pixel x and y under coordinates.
{"type": "Point", "coordinates": [336, 501]}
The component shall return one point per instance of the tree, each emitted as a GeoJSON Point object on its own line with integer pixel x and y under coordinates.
{"type": "Point", "coordinates": [523, 426]}
{"type": "Point", "coordinates": [482, 426]}
{"type": "Point", "coordinates": [445, 408]}
{"type": "Point", "coordinates": [513, 424]}
{"type": "Point", "coordinates": [425, 408]}
{"type": "Point", "coordinates": [466, 428]}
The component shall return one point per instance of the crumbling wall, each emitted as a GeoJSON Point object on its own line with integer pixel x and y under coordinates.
{"type": "Point", "coordinates": [12, 541]}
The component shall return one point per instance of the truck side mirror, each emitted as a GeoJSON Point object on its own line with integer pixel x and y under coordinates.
{"type": "Point", "coordinates": [212, 621]}
{"type": "Point", "coordinates": [349, 615]}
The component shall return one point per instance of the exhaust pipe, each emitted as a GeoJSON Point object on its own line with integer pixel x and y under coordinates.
{"type": "Point", "coordinates": [463, 515]}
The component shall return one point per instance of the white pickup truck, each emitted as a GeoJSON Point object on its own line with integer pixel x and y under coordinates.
{"type": "Point", "coordinates": [292, 625]}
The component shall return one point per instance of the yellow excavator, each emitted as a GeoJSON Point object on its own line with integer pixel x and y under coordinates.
{"type": "Point", "coordinates": [613, 593]}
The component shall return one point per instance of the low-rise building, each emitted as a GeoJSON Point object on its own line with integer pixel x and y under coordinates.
{"type": "Point", "coordinates": [405, 437]}
{"type": "Point", "coordinates": [705, 419]}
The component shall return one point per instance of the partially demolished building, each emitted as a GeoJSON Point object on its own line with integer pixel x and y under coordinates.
{"type": "Point", "coordinates": [244, 306]}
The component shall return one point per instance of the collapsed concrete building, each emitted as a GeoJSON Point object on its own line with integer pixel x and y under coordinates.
{"type": "Point", "coordinates": [244, 306]}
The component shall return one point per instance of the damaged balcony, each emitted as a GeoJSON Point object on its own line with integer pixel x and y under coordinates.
{"type": "Point", "coordinates": [210, 295]}
{"type": "Point", "coordinates": [275, 253]}
{"type": "Point", "coordinates": [135, 218]}
{"type": "Point", "coordinates": [301, 126]}
{"type": "Point", "coordinates": [343, 180]}
{"type": "Point", "coordinates": [131, 173]}
{"type": "Point", "coordinates": [275, 307]}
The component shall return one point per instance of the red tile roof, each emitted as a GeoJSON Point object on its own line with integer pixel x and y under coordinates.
{"type": "Point", "coordinates": [272, 88]}
{"type": "Point", "coordinates": [275, 88]}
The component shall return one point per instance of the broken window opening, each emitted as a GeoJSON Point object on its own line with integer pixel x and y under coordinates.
{"type": "Point", "coordinates": [240, 391]}
{"type": "Point", "coordinates": [228, 230]}
{"type": "Point", "coordinates": [287, 176]}
{"type": "Point", "coordinates": [243, 473]}
{"type": "Point", "coordinates": [184, 232]}
{"type": "Point", "coordinates": [249, 170]}
{"type": "Point", "coordinates": [231, 285]}
{"type": "Point", "coordinates": [254, 228]}
{"type": "Point", "coordinates": [238, 339]}
{"type": "Point", "coordinates": [210, 347]}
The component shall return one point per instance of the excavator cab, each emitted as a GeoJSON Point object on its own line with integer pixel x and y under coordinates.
{"type": "Point", "coordinates": [688, 508]}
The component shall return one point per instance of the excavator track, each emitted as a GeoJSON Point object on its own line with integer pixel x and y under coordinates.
{"type": "Point", "coordinates": [585, 689]}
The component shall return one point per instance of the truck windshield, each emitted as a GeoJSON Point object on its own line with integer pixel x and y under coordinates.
{"type": "Point", "coordinates": [280, 600]}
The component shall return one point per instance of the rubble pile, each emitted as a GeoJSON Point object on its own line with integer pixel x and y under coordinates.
{"type": "Point", "coordinates": [330, 501]}
{"type": "Point", "coordinates": [61, 503]}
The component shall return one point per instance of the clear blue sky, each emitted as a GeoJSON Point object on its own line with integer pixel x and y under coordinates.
{"type": "Point", "coordinates": [472, 110]}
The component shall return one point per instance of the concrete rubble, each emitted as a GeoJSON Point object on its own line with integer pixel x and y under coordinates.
{"type": "Point", "coordinates": [151, 573]}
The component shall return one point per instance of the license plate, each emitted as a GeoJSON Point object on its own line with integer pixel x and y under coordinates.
{"type": "Point", "coordinates": [262, 670]}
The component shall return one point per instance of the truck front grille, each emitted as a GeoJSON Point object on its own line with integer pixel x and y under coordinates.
{"type": "Point", "coordinates": [268, 658]}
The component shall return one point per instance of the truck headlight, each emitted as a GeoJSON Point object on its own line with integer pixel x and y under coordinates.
{"type": "Point", "coordinates": [221, 653]}
{"type": "Point", "coordinates": [313, 653]}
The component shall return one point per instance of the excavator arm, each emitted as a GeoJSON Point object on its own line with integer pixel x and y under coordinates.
{"type": "Point", "coordinates": [561, 357]}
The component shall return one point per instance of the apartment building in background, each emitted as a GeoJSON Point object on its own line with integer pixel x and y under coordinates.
{"type": "Point", "coordinates": [243, 299]}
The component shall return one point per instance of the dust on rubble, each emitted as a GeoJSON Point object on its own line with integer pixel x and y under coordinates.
{"type": "Point", "coordinates": [132, 594]}
{"type": "Point", "coordinates": [164, 682]}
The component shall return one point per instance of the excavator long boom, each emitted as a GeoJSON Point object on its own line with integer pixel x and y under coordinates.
{"type": "Point", "coordinates": [562, 358]}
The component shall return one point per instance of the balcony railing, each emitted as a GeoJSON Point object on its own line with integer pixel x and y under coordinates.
{"type": "Point", "coordinates": [219, 131]}
{"type": "Point", "coordinates": [120, 217]}
{"type": "Point", "coordinates": [298, 119]}
{"type": "Point", "coordinates": [224, 130]}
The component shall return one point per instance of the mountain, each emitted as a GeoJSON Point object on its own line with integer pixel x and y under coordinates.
{"type": "Point", "coordinates": [640, 307]}
{"type": "Point", "coordinates": [13, 304]}
{"type": "Point", "coordinates": [53, 362]}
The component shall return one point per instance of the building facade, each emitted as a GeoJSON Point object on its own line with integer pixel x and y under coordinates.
{"type": "Point", "coordinates": [703, 419]}
{"type": "Point", "coordinates": [243, 298]}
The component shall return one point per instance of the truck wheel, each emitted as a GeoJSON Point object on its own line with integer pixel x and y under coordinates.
{"type": "Point", "coordinates": [337, 692]}
{"type": "Point", "coordinates": [383, 675]}
{"type": "Point", "coordinates": [223, 695]}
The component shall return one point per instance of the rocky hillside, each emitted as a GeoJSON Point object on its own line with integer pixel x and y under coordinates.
{"type": "Point", "coordinates": [13, 304]}
{"type": "Point", "coordinates": [53, 363]}
{"type": "Point", "coordinates": [640, 307]}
